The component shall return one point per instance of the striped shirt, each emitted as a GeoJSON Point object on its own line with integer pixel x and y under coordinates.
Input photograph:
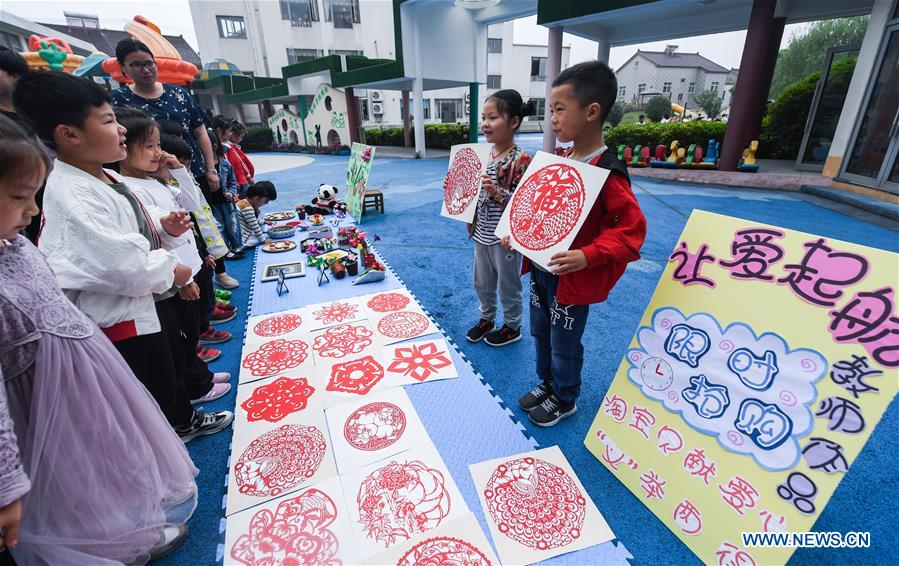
{"type": "Point", "coordinates": [506, 174]}
{"type": "Point", "coordinates": [249, 224]}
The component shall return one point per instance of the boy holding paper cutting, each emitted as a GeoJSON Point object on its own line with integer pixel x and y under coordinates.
{"type": "Point", "coordinates": [609, 239]}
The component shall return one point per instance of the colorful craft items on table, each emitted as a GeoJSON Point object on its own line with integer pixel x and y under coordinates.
{"type": "Point", "coordinates": [279, 246]}
{"type": "Point", "coordinates": [170, 67]}
{"type": "Point", "coordinates": [273, 217]}
{"type": "Point", "coordinates": [762, 364]}
{"type": "Point", "coordinates": [51, 53]}
{"type": "Point", "coordinates": [281, 232]}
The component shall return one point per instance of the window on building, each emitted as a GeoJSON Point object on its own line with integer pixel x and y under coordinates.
{"type": "Point", "coordinates": [641, 87]}
{"type": "Point", "coordinates": [425, 108]}
{"type": "Point", "coordinates": [622, 91]}
{"type": "Point", "coordinates": [494, 81]}
{"type": "Point", "coordinates": [231, 27]}
{"type": "Point", "coordinates": [714, 86]}
{"type": "Point", "coordinates": [680, 96]}
{"type": "Point", "coordinates": [538, 68]}
{"type": "Point", "coordinates": [666, 87]}
{"type": "Point", "coordinates": [299, 55]}
{"type": "Point", "coordinates": [691, 88]}
{"type": "Point", "coordinates": [494, 45]}
{"type": "Point", "coordinates": [636, 62]}
{"type": "Point", "coordinates": [343, 13]}
{"type": "Point", "coordinates": [300, 13]}
{"type": "Point", "coordinates": [448, 109]}
{"type": "Point", "coordinates": [346, 52]}
{"type": "Point", "coordinates": [10, 41]}
{"type": "Point", "coordinates": [541, 109]}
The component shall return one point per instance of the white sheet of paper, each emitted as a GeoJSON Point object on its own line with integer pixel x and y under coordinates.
{"type": "Point", "coordinates": [460, 541]}
{"type": "Point", "coordinates": [549, 206]}
{"type": "Point", "coordinates": [273, 459]}
{"type": "Point", "coordinates": [540, 482]}
{"type": "Point", "coordinates": [468, 161]}
{"type": "Point", "coordinates": [188, 255]}
{"type": "Point", "coordinates": [393, 327]}
{"type": "Point", "coordinates": [332, 313]}
{"type": "Point", "coordinates": [373, 428]}
{"type": "Point", "coordinates": [283, 527]}
{"type": "Point", "coordinates": [417, 362]}
{"type": "Point", "coordinates": [271, 357]}
{"type": "Point", "coordinates": [416, 480]}
{"type": "Point", "coordinates": [379, 304]}
{"type": "Point", "coordinates": [282, 324]}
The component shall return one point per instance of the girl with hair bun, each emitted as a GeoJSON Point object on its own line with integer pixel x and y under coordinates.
{"type": "Point", "coordinates": [495, 268]}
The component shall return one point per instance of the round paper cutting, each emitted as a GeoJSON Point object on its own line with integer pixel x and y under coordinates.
{"type": "Point", "coordinates": [535, 503]}
{"type": "Point", "coordinates": [546, 206]}
{"type": "Point", "coordinates": [374, 426]}
{"type": "Point", "coordinates": [463, 181]}
{"type": "Point", "coordinates": [403, 324]}
{"type": "Point", "coordinates": [280, 460]}
{"type": "Point", "coordinates": [277, 325]}
{"type": "Point", "coordinates": [440, 551]}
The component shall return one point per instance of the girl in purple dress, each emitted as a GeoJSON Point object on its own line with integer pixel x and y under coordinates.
{"type": "Point", "coordinates": [110, 481]}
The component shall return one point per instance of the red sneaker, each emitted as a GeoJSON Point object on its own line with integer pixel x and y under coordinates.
{"type": "Point", "coordinates": [209, 354]}
{"type": "Point", "coordinates": [213, 336]}
{"type": "Point", "coordinates": [218, 315]}
{"type": "Point", "coordinates": [225, 306]}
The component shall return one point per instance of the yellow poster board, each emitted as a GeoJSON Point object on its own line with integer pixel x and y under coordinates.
{"type": "Point", "coordinates": [762, 364]}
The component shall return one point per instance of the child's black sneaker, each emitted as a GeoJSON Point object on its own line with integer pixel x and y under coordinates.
{"type": "Point", "coordinates": [551, 411]}
{"type": "Point", "coordinates": [534, 397]}
{"type": "Point", "coordinates": [479, 330]}
{"type": "Point", "coordinates": [205, 423]}
{"type": "Point", "coordinates": [502, 337]}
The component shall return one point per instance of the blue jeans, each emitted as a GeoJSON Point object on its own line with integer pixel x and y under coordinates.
{"type": "Point", "coordinates": [226, 214]}
{"type": "Point", "coordinates": [557, 330]}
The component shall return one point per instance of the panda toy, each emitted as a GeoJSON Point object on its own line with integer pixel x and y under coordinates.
{"type": "Point", "coordinates": [326, 201]}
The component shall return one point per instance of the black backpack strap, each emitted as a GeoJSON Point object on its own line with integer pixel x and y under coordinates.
{"type": "Point", "coordinates": [608, 160]}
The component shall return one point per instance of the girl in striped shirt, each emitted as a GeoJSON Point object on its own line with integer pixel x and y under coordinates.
{"type": "Point", "coordinates": [495, 268]}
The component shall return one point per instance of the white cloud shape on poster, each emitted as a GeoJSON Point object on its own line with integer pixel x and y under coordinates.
{"type": "Point", "coordinates": [753, 393]}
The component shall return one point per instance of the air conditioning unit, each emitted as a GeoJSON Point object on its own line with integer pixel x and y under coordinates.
{"type": "Point", "coordinates": [467, 108]}
{"type": "Point", "coordinates": [377, 108]}
{"type": "Point", "coordinates": [377, 95]}
{"type": "Point", "coordinates": [467, 99]}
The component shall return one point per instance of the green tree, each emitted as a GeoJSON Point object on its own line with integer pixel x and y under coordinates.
{"type": "Point", "coordinates": [805, 54]}
{"type": "Point", "coordinates": [657, 107]}
{"type": "Point", "coordinates": [710, 103]}
{"type": "Point", "coordinates": [615, 114]}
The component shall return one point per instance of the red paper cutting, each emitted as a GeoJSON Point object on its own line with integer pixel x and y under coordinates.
{"type": "Point", "coordinates": [398, 501]}
{"type": "Point", "coordinates": [280, 460]}
{"type": "Point", "coordinates": [274, 401]}
{"type": "Point", "coordinates": [277, 325]}
{"type": "Point", "coordinates": [463, 181]}
{"type": "Point", "coordinates": [419, 361]}
{"type": "Point", "coordinates": [296, 533]}
{"type": "Point", "coordinates": [403, 324]}
{"type": "Point", "coordinates": [336, 312]}
{"type": "Point", "coordinates": [374, 426]}
{"type": "Point", "coordinates": [535, 503]}
{"type": "Point", "coordinates": [276, 356]}
{"type": "Point", "coordinates": [356, 376]}
{"type": "Point", "coordinates": [546, 206]}
{"type": "Point", "coordinates": [444, 551]}
{"type": "Point", "coordinates": [341, 341]}
{"type": "Point", "coordinates": [388, 302]}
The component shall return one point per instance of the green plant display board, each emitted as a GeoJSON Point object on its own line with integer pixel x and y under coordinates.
{"type": "Point", "coordinates": [356, 177]}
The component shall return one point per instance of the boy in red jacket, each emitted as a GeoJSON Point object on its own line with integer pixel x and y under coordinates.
{"type": "Point", "coordinates": [610, 238]}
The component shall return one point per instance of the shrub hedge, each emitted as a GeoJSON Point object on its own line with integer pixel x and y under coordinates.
{"type": "Point", "coordinates": [653, 134]}
{"type": "Point", "coordinates": [258, 139]}
{"type": "Point", "coordinates": [441, 136]}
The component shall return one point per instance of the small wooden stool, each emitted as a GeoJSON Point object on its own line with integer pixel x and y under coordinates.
{"type": "Point", "coordinates": [373, 198]}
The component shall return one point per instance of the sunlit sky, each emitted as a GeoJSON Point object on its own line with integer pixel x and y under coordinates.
{"type": "Point", "coordinates": [173, 17]}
